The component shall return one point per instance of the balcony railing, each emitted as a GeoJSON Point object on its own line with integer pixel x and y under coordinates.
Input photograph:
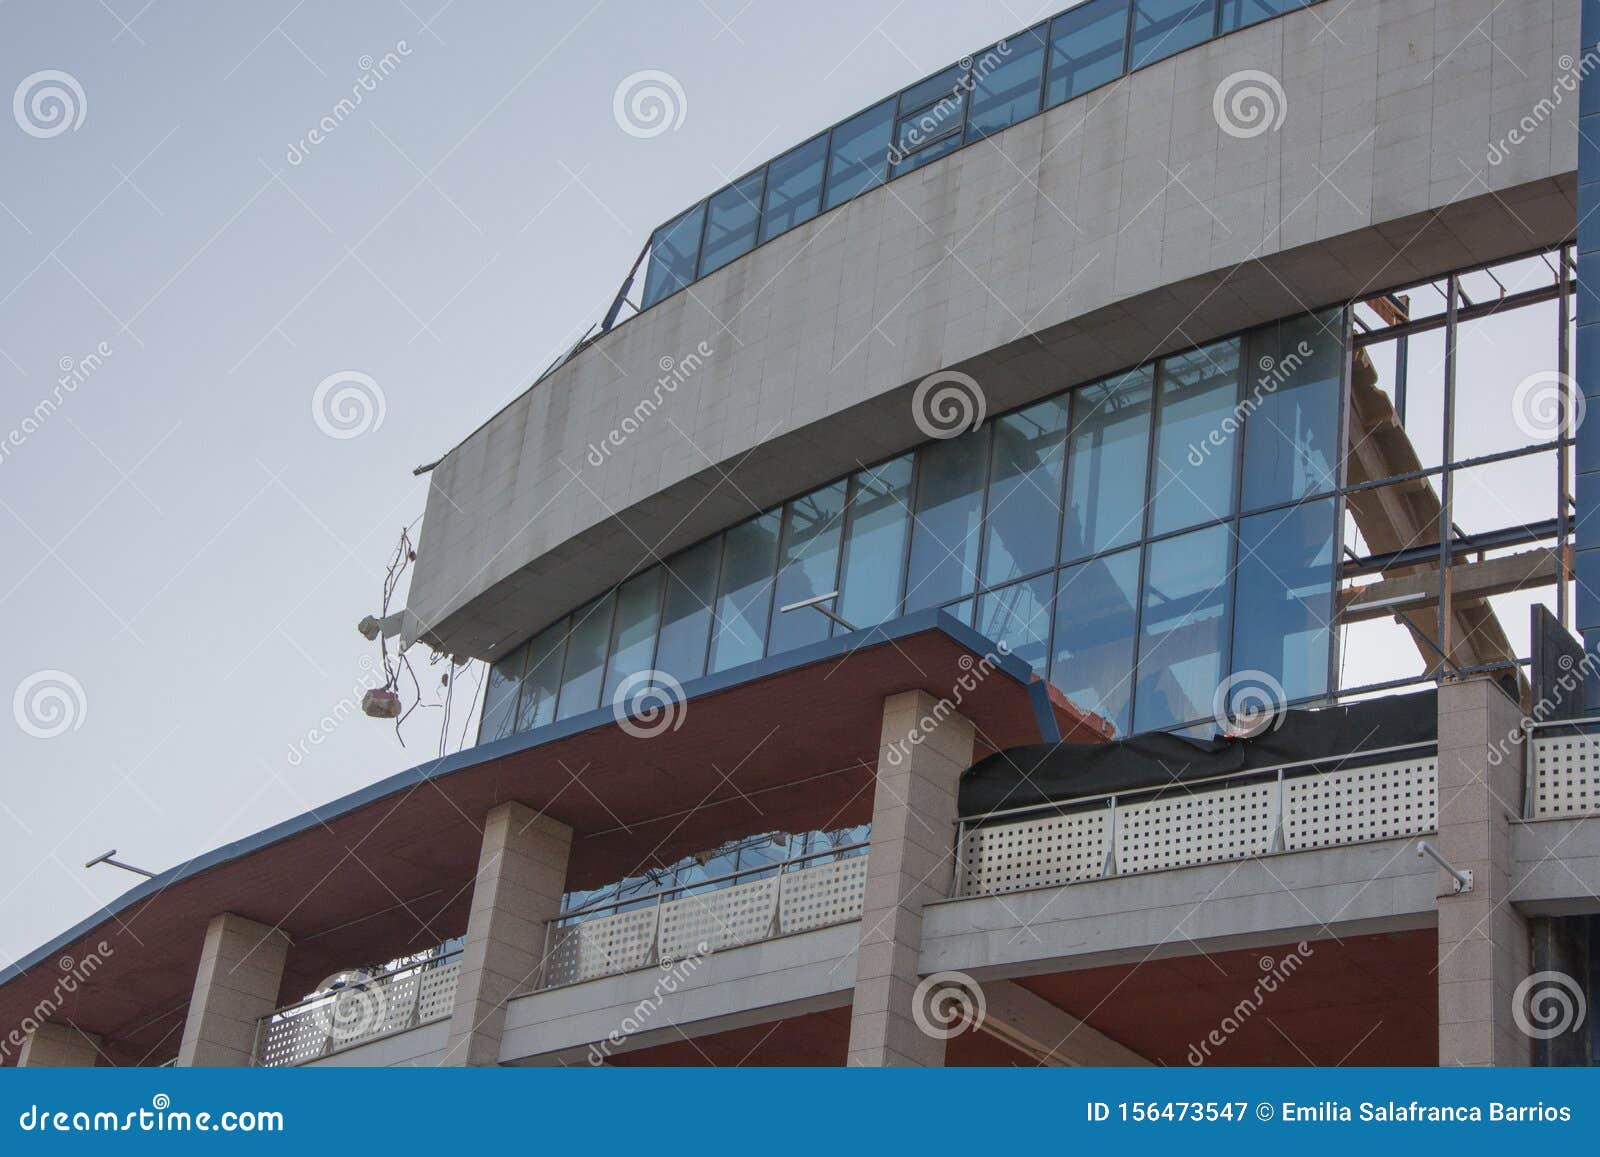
{"type": "Point", "coordinates": [1232, 817]}
{"type": "Point", "coordinates": [412, 994]}
{"type": "Point", "coordinates": [1565, 779]}
{"type": "Point", "coordinates": [811, 891]}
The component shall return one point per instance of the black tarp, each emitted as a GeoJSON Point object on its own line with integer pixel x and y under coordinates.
{"type": "Point", "coordinates": [1040, 773]}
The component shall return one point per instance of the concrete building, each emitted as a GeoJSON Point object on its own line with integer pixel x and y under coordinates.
{"type": "Point", "coordinates": [1083, 562]}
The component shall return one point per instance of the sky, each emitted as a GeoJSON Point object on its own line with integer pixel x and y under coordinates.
{"type": "Point", "coordinates": [225, 344]}
{"type": "Point", "coordinates": [186, 540]}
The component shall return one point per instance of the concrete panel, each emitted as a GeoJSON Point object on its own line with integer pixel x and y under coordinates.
{"type": "Point", "coordinates": [1111, 229]}
{"type": "Point", "coordinates": [1374, 887]}
{"type": "Point", "coordinates": [1556, 866]}
{"type": "Point", "coordinates": [785, 976]}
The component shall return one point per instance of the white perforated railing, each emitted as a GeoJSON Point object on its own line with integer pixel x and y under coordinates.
{"type": "Point", "coordinates": [1566, 771]}
{"type": "Point", "coordinates": [1229, 818]}
{"type": "Point", "coordinates": [360, 1011]}
{"type": "Point", "coordinates": [799, 895]}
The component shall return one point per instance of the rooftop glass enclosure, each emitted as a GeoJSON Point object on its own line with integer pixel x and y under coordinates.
{"type": "Point", "coordinates": [1135, 539]}
{"type": "Point", "coordinates": [1055, 61]}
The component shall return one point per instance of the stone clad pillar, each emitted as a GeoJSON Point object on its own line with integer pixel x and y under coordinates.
{"type": "Point", "coordinates": [923, 749]}
{"type": "Point", "coordinates": [1485, 947]}
{"type": "Point", "coordinates": [59, 1046]}
{"type": "Point", "coordinates": [241, 970]}
{"type": "Point", "coordinates": [522, 873]}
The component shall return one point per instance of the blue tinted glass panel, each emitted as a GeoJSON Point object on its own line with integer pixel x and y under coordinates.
{"type": "Point", "coordinates": [859, 153]}
{"type": "Point", "coordinates": [794, 187]}
{"type": "Point", "coordinates": [1242, 13]}
{"type": "Point", "coordinates": [1292, 405]}
{"type": "Point", "coordinates": [542, 683]}
{"type": "Point", "coordinates": [875, 543]}
{"type": "Point", "coordinates": [945, 535]}
{"type": "Point", "coordinates": [934, 89]}
{"type": "Point", "coordinates": [731, 219]}
{"type": "Point", "coordinates": [913, 149]}
{"type": "Point", "coordinates": [500, 700]}
{"type": "Point", "coordinates": [1087, 45]}
{"type": "Point", "coordinates": [674, 250]}
{"type": "Point", "coordinates": [961, 612]}
{"type": "Point", "coordinates": [1163, 27]}
{"type": "Point", "coordinates": [1285, 597]}
{"type": "Point", "coordinates": [633, 635]}
{"type": "Point", "coordinates": [808, 565]}
{"type": "Point", "coordinates": [1106, 465]}
{"type": "Point", "coordinates": [1196, 434]}
{"type": "Point", "coordinates": [1006, 83]}
{"type": "Point", "coordinates": [931, 116]}
{"type": "Point", "coordinates": [686, 610]}
{"type": "Point", "coordinates": [1184, 631]}
{"type": "Point", "coordinates": [744, 594]}
{"type": "Point", "coordinates": [584, 671]}
{"type": "Point", "coordinates": [1025, 492]}
{"type": "Point", "coordinates": [1092, 653]}
{"type": "Point", "coordinates": [1019, 617]}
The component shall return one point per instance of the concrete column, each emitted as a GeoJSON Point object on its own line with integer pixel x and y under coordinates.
{"type": "Point", "coordinates": [59, 1046]}
{"type": "Point", "coordinates": [522, 873]}
{"type": "Point", "coordinates": [923, 749]}
{"type": "Point", "coordinates": [241, 970]}
{"type": "Point", "coordinates": [1484, 944]}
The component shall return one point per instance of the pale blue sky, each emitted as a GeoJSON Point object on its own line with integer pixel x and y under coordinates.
{"type": "Point", "coordinates": [179, 536]}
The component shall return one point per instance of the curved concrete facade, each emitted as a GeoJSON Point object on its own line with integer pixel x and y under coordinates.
{"type": "Point", "coordinates": [1119, 226]}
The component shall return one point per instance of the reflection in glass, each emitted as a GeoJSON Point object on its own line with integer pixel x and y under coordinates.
{"type": "Point", "coordinates": [1164, 27]}
{"type": "Point", "coordinates": [674, 251]}
{"type": "Point", "coordinates": [1292, 402]}
{"type": "Point", "coordinates": [500, 700]}
{"type": "Point", "coordinates": [686, 610]}
{"type": "Point", "coordinates": [744, 594]}
{"type": "Point", "coordinates": [944, 538]}
{"type": "Point", "coordinates": [633, 636]}
{"type": "Point", "coordinates": [859, 154]}
{"type": "Point", "coordinates": [794, 187]}
{"type": "Point", "coordinates": [875, 543]}
{"type": "Point", "coordinates": [1005, 86]}
{"type": "Point", "coordinates": [1285, 597]}
{"type": "Point", "coordinates": [1184, 629]}
{"type": "Point", "coordinates": [1195, 437]}
{"type": "Point", "coordinates": [808, 565]}
{"type": "Point", "coordinates": [930, 120]}
{"type": "Point", "coordinates": [1019, 617]}
{"type": "Point", "coordinates": [731, 219]}
{"type": "Point", "coordinates": [1086, 48]}
{"type": "Point", "coordinates": [542, 683]}
{"type": "Point", "coordinates": [1106, 465]}
{"type": "Point", "coordinates": [1092, 654]}
{"type": "Point", "coordinates": [586, 657]}
{"type": "Point", "coordinates": [1241, 13]}
{"type": "Point", "coordinates": [1025, 491]}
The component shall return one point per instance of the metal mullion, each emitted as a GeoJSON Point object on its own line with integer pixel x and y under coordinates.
{"type": "Point", "coordinates": [1447, 479]}
{"type": "Point", "coordinates": [1563, 380]}
{"type": "Point", "coordinates": [716, 594]}
{"type": "Point", "coordinates": [785, 521]}
{"type": "Point", "coordinates": [1236, 491]}
{"type": "Point", "coordinates": [1157, 379]}
{"type": "Point", "coordinates": [915, 494]}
